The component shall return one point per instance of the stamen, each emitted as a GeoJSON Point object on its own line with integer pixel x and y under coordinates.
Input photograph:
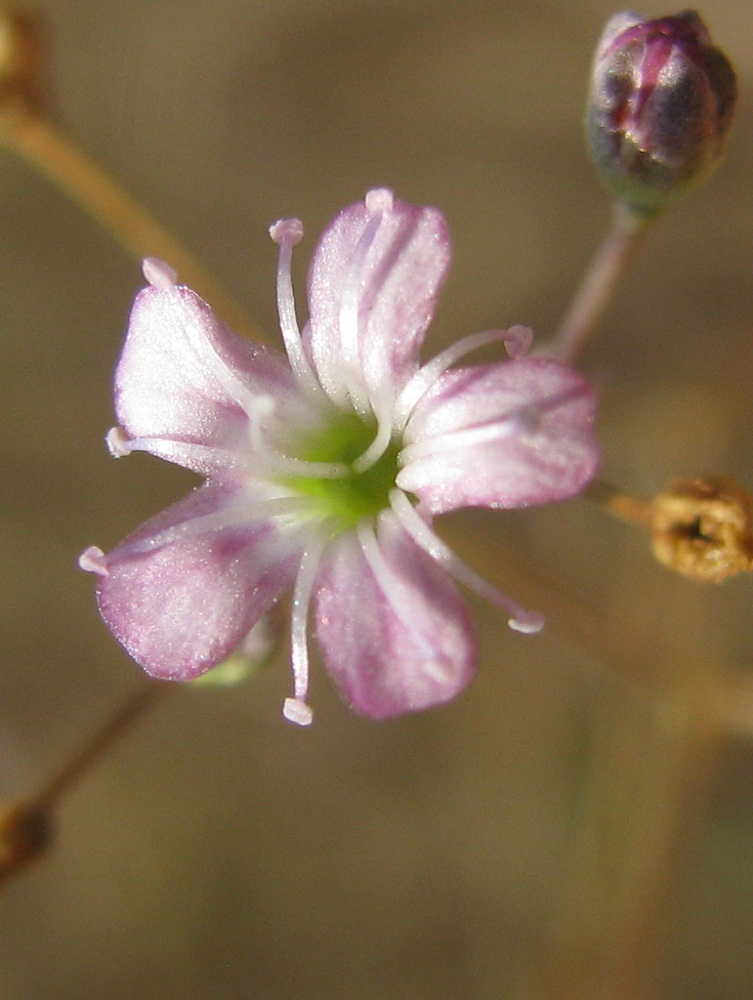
{"type": "Point", "coordinates": [93, 560]}
{"type": "Point", "coordinates": [349, 318]}
{"type": "Point", "coordinates": [378, 446]}
{"type": "Point", "coordinates": [286, 233]}
{"type": "Point", "coordinates": [517, 341]}
{"type": "Point", "coordinates": [296, 709]}
{"type": "Point", "coordinates": [263, 407]}
{"type": "Point", "coordinates": [392, 587]}
{"type": "Point", "coordinates": [525, 419]}
{"type": "Point", "coordinates": [185, 453]}
{"type": "Point", "coordinates": [158, 273]}
{"type": "Point", "coordinates": [161, 276]}
{"type": "Point", "coordinates": [521, 620]}
{"type": "Point", "coordinates": [250, 514]}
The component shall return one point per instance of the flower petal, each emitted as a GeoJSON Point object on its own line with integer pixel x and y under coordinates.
{"type": "Point", "coordinates": [504, 435]}
{"type": "Point", "coordinates": [394, 632]}
{"type": "Point", "coordinates": [184, 377]}
{"type": "Point", "coordinates": [373, 283]}
{"type": "Point", "coordinates": [180, 608]}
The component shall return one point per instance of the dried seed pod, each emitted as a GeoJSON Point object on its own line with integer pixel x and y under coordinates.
{"type": "Point", "coordinates": [701, 528]}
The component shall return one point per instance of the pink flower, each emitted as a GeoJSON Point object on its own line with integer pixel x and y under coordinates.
{"type": "Point", "coordinates": [323, 470]}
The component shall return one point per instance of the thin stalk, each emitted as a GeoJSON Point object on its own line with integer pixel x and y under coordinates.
{"type": "Point", "coordinates": [624, 506]}
{"type": "Point", "coordinates": [41, 145]}
{"type": "Point", "coordinates": [98, 745]}
{"type": "Point", "coordinates": [598, 286]}
{"type": "Point", "coordinates": [650, 781]}
{"type": "Point", "coordinates": [27, 827]}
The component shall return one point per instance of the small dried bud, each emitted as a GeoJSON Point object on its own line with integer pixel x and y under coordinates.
{"type": "Point", "coordinates": [702, 529]}
{"type": "Point", "coordinates": [659, 108]}
{"type": "Point", "coordinates": [25, 834]}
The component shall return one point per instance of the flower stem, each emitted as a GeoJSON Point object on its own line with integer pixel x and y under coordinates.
{"type": "Point", "coordinates": [27, 131]}
{"type": "Point", "coordinates": [624, 506]}
{"type": "Point", "coordinates": [123, 717]}
{"type": "Point", "coordinates": [649, 786]}
{"type": "Point", "coordinates": [27, 827]}
{"type": "Point", "coordinates": [591, 301]}
{"type": "Point", "coordinates": [43, 146]}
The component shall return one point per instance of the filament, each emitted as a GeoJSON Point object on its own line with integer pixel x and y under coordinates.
{"type": "Point", "coordinates": [520, 620]}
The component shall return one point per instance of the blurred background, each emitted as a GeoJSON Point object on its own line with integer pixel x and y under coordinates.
{"type": "Point", "coordinates": [516, 842]}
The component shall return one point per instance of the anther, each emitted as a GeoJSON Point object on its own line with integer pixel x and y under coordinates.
{"type": "Point", "coordinates": [118, 442]}
{"type": "Point", "coordinates": [93, 560]}
{"type": "Point", "coordinates": [527, 622]}
{"type": "Point", "coordinates": [379, 200]}
{"type": "Point", "coordinates": [518, 340]}
{"type": "Point", "coordinates": [158, 273]}
{"type": "Point", "coordinates": [296, 710]}
{"type": "Point", "coordinates": [289, 231]}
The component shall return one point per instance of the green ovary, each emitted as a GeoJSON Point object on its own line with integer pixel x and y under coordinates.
{"type": "Point", "coordinates": [357, 494]}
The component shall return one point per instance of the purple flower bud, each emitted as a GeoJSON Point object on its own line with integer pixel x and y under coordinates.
{"type": "Point", "coordinates": [659, 108]}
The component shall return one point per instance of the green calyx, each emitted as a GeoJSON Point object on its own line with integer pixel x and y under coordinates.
{"type": "Point", "coordinates": [355, 495]}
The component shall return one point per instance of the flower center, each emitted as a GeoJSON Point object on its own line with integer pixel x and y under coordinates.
{"type": "Point", "coordinates": [357, 494]}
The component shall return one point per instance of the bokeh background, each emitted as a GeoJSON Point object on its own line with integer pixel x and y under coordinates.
{"type": "Point", "coordinates": [218, 851]}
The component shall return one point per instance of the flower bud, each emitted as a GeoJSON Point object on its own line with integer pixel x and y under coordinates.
{"type": "Point", "coordinates": [659, 108]}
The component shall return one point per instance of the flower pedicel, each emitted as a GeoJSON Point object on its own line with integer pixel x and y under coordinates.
{"type": "Point", "coordinates": [324, 469]}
